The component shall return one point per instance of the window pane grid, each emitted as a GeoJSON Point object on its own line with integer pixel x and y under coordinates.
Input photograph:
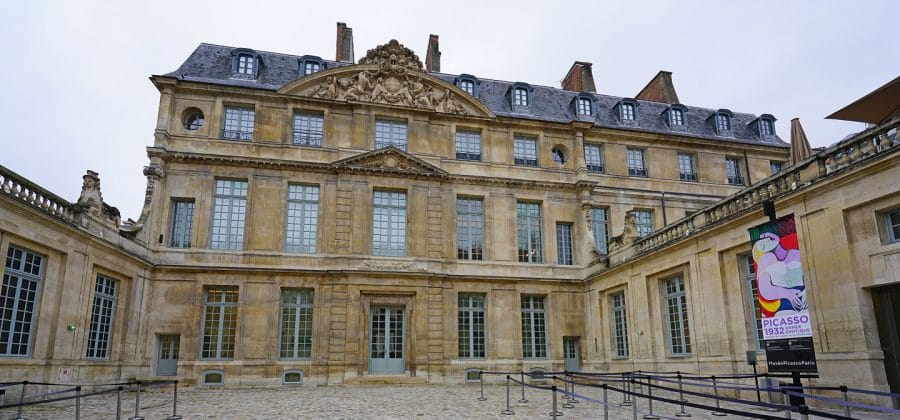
{"type": "Point", "coordinates": [229, 215]}
{"type": "Point", "coordinates": [525, 151]}
{"type": "Point", "coordinates": [21, 278]}
{"type": "Point", "coordinates": [643, 222]}
{"type": "Point", "coordinates": [635, 160]}
{"type": "Point", "coordinates": [765, 127]}
{"type": "Point", "coordinates": [471, 326]}
{"type": "Point", "coordinates": [620, 324]}
{"type": "Point", "coordinates": [246, 64]}
{"type": "Point", "coordinates": [733, 171]}
{"type": "Point", "coordinates": [469, 229]}
{"type": "Point", "coordinates": [389, 224]}
{"type": "Point", "coordinates": [775, 167]}
{"type": "Point", "coordinates": [302, 219]}
{"type": "Point", "coordinates": [584, 106]}
{"type": "Point", "coordinates": [564, 243]}
{"type": "Point", "coordinates": [468, 86]}
{"type": "Point", "coordinates": [686, 167]}
{"type": "Point", "coordinates": [723, 123]}
{"type": "Point", "coordinates": [528, 216]}
{"type": "Point", "coordinates": [892, 220]}
{"type": "Point", "coordinates": [307, 129]}
{"type": "Point", "coordinates": [238, 123]}
{"type": "Point", "coordinates": [534, 328]}
{"type": "Point", "coordinates": [749, 271]}
{"type": "Point", "coordinates": [468, 145]}
{"type": "Point", "coordinates": [600, 228]}
{"type": "Point", "coordinates": [593, 157]}
{"type": "Point", "coordinates": [677, 117]}
{"type": "Point", "coordinates": [627, 112]}
{"type": "Point", "coordinates": [182, 219]}
{"type": "Point", "coordinates": [311, 67]}
{"type": "Point", "coordinates": [101, 318]}
{"type": "Point", "coordinates": [219, 323]}
{"type": "Point", "coordinates": [390, 133]}
{"type": "Point", "coordinates": [520, 96]}
{"type": "Point", "coordinates": [296, 323]}
{"type": "Point", "coordinates": [676, 314]}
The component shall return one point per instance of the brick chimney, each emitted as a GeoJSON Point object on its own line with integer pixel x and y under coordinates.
{"type": "Point", "coordinates": [344, 49]}
{"type": "Point", "coordinates": [660, 89]}
{"type": "Point", "coordinates": [580, 78]}
{"type": "Point", "coordinates": [433, 55]}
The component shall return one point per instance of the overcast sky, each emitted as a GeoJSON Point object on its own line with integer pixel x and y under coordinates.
{"type": "Point", "coordinates": [76, 94]}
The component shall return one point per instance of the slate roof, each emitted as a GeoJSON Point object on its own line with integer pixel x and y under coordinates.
{"type": "Point", "coordinates": [212, 64]}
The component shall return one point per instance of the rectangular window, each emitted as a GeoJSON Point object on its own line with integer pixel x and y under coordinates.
{"type": "Point", "coordinates": [584, 106]}
{"type": "Point", "coordinates": [528, 217]}
{"type": "Point", "coordinates": [593, 157]}
{"type": "Point", "coordinates": [468, 86]}
{"type": "Point", "coordinates": [748, 270]}
{"type": "Point", "coordinates": [182, 220]}
{"type": "Point", "coordinates": [102, 313]}
{"type": "Point", "coordinates": [307, 129]}
{"type": "Point", "coordinates": [635, 160]}
{"type": "Point", "coordinates": [311, 67]}
{"type": "Point", "coordinates": [627, 112]}
{"type": "Point", "coordinates": [620, 324]}
{"type": "Point", "coordinates": [733, 170]}
{"type": "Point", "coordinates": [469, 229]}
{"type": "Point", "coordinates": [219, 323]}
{"type": "Point", "coordinates": [892, 222]}
{"type": "Point", "coordinates": [246, 64]}
{"type": "Point", "coordinates": [468, 145]}
{"type": "Point", "coordinates": [686, 167]}
{"type": "Point", "coordinates": [775, 167]}
{"type": "Point", "coordinates": [765, 127]}
{"type": "Point", "coordinates": [677, 117]}
{"type": "Point", "coordinates": [18, 298]}
{"type": "Point", "coordinates": [723, 123]}
{"type": "Point", "coordinates": [296, 323]}
{"type": "Point", "coordinates": [229, 215]}
{"type": "Point", "coordinates": [302, 219]}
{"type": "Point", "coordinates": [643, 221]}
{"type": "Point", "coordinates": [520, 96]}
{"type": "Point", "coordinates": [525, 151]}
{"type": "Point", "coordinates": [564, 243]}
{"type": "Point", "coordinates": [238, 123]}
{"type": "Point", "coordinates": [471, 326]}
{"type": "Point", "coordinates": [600, 228]}
{"type": "Point", "coordinates": [677, 317]}
{"type": "Point", "coordinates": [390, 133]}
{"type": "Point", "coordinates": [389, 224]}
{"type": "Point", "coordinates": [534, 328]}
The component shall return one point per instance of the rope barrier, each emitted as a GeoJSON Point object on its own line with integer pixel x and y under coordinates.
{"type": "Point", "coordinates": [843, 403]}
{"type": "Point", "coordinates": [27, 403]}
{"type": "Point", "coordinates": [881, 393]}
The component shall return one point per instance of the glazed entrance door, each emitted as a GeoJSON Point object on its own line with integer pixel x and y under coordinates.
{"type": "Point", "coordinates": [570, 354]}
{"type": "Point", "coordinates": [386, 344]}
{"type": "Point", "coordinates": [167, 356]}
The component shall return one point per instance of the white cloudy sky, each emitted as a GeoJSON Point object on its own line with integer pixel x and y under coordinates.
{"type": "Point", "coordinates": [76, 94]}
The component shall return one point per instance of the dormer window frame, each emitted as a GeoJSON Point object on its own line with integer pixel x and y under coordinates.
{"type": "Point", "coordinates": [467, 78]}
{"type": "Point", "coordinates": [308, 60]}
{"type": "Point", "coordinates": [241, 59]}
{"type": "Point", "coordinates": [579, 102]}
{"type": "Point", "coordinates": [764, 126]}
{"type": "Point", "coordinates": [675, 116]}
{"type": "Point", "coordinates": [519, 91]}
{"type": "Point", "coordinates": [722, 121]}
{"type": "Point", "coordinates": [628, 107]}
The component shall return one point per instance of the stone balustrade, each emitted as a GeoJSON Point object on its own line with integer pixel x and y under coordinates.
{"type": "Point", "coordinates": [18, 187]}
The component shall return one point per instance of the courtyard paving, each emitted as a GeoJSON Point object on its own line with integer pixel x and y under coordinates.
{"type": "Point", "coordinates": [353, 402]}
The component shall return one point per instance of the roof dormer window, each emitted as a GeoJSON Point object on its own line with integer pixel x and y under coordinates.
{"type": "Point", "coordinates": [310, 64]}
{"type": "Point", "coordinates": [467, 83]}
{"type": "Point", "coordinates": [584, 106]}
{"type": "Point", "coordinates": [722, 122]}
{"type": "Point", "coordinates": [627, 110]}
{"type": "Point", "coordinates": [245, 63]}
{"type": "Point", "coordinates": [468, 86]}
{"type": "Point", "coordinates": [674, 116]}
{"type": "Point", "coordinates": [765, 127]}
{"type": "Point", "coordinates": [520, 96]}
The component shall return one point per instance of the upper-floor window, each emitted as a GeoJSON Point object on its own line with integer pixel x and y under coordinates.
{"type": "Point", "coordinates": [525, 151]}
{"type": "Point", "coordinates": [471, 326]}
{"type": "Point", "coordinates": [643, 222]}
{"type": "Point", "coordinates": [219, 323]}
{"type": "Point", "coordinates": [528, 218]}
{"type": "Point", "coordinates": [722, 121]}
{"type": "Point", "coordinates": [775, 167]}
{"type": "Point", "coordinates": [468, 86]}
{"type": "Point", "coordinates": [534, 327]}
{"type": "Point", "coordinates": [635, 160]}
{"type": "Point", "coordinates": [296, 323]}
{"type": "Point", "coordinates": [301, 229]}
{"type": "Point", "coordinates": [748, 273]}
{"type": "Point", "coordinates": [310, 64]}
{"type": "Point", "coordinates": [678, 330]}
{"type": "Point", "coordinates": [468, 145]}
{"type": "Point", "coordinates": [389, 224]}
{"type": "Point", "coordinates": [182, 221]}
{"type": "Point", "coordinates": [584, 106]}
{"type": "Point", "coordinates": [628, 112]}
{"type": "Point", "coordinates": [229, 214]}
{"type": "Point", "coordinates": [564, 244]}
{"type": "Point", "coordinates": [892, 222]}
{"type": "Point", "coordinates": [558, 154]}
{"type": "Point", "coordinates": [307, 128]}
{"type": "Point", "coordinates": [311, 67]}
{"type": "Point", "coordinates": [733, 171]}
{"type": "Point", "coordinates": [238, 123]}
{"type": "Point", "coordinates": [102, 312]}
{"type": "Point", "coordinates": [620, 324]}
{"type": "Point", "coordinates": [520, 96]}
{"type": "Point", "coordinates": [600, 228]}
{"type": "Point", "coordinates": [390, 133]}
{"type": "Point", "coordinates": [593, 158]}
{"type": "Point", "coordinates": [21, 280]}
{"type": "Point", "coordinates": [246, 64]}
{"type": "Point", "coordinates": [766, 127]}
{"type": "Point", "coordinates": [676, 117]}
{"type": "Point", "coordinates": [686, 170]}
{"type": "Point", "coordinates": [469, 229]}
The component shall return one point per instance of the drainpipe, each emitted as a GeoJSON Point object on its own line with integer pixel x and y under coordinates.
{"type": "Point", "coordinates": [747, 166]}
{"type": "Point", "coordinates": [663, 200]}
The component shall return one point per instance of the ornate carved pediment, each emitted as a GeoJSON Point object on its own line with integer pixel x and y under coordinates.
{"type": "Point", "coordinates": [390, 159]}
{"type": "Point", "coordinates": [392, 75]}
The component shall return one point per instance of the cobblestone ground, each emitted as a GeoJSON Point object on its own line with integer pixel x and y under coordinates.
{"type": "Point", "coordinates": [355, 402]}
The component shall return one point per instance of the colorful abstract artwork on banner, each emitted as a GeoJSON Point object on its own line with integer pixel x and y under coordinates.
{"type": "Point", "coordinates": [779, 278]}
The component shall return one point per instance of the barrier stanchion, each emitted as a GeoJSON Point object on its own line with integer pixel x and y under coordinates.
{"type": "Point", "coordinates": [137, 403]}
{"type": "Point", "coordinates": [784, 399]}
{"type": "Point", "coordinates": [566, 395]}
{"type": "Point", "coordinates": [78, 402]}
{"type": "Point", "coordinates": [555, 413]}
{"type": "Point", "coordinates": [804, 412]}
{"type": "Point", "coordinates": [716, 394]}
{"type": "Point", "coordinates": [21, 400]}
{"type": "Point", "coordinates": [846, 401]}
{"type": "Point", "coordinates": [119, 402]}
{"type": "Point", "coordinates": [523, 400]}
{"type": "Point", "coordinates": [481, 380]}
{"type": "Point", "coordinates": [681, 399]}
{"type": "Point", "coordinates": [573, 400]}
{"type": "Point", "coordinates": [633, 403]}
{"type": "Point", "coordinates": [650, 415]}
{"type": "Point", "coordinates": [605, 403]}
{"type": "Point", "coordinates": [507, 412]}
{"type": "Point", "coordinates": [2, 396]}
{"type": "Point", "coordinates": [626, 398]}
{"type": "Point", "coordinates": [174, 415]}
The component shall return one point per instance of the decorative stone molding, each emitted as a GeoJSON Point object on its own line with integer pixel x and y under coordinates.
{"type": "Point", "coordinates": [91, 203]}
{"type": "Point", "coordinates": [378, 265]}
{"type": "Point", "coordinates": [154, 174]}
{"type": "Point", "coordinates": [18, 187]}
{"type": "Point", "coordinates": [389, 159]}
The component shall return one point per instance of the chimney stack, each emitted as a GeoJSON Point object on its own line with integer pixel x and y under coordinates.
{"type": "Point", "coordinates": [433, 55]}
{"type": "Point", "coordinates": [344, 49]}
{"type": "Point", "coordinates": [660, 89]}
{"type": "Point", "coordinates": [580, 78]}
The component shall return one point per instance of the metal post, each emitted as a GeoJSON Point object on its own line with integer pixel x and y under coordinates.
{"type": "Point", "coordinates": [650, 415]}
{"type": "Point", "coordinates": [555, 413]}
{"type": "Point", "coordinates": [846, 401]}
{"type": "Point", "coordinates": [605, 403]}
{"type": "Point", "coordinates": [756, 381]}
{"type": "Point", "coordinates": [481, 379]}
{"type": "Point", "coordinates": [681, 398]}
{"type": "Point", "coordinates": [523, 400]}
{"type": "Point", "coordinates": [573, 400]}
{"type": "Point", "coordinates": [2, 395]}
{"type": "Point", "coordinates": [119, 402]}
{"type": "Point", "coordinates": [78, 402]}
{"type": "Point", "coordinates": [716, 394]}
{"type": "Point", "coordinates": [507, 412]}
{"type": "Point", "coordinates": [626, 398]}
{"type": "Point", "coordinates": [137, 403]}
{"type": "Point", "coordinates": [633, 404]}
{"type": "Point", "coordinates": [174, 415]}
{"type": "Point", "coordinates": [787, 407]}
{"type": "Point", "coordinates": [566, 396]}
{"type": "Point", "coordinates": [804, 412]}
{"type": "Point", "coordinates": [21, 400]}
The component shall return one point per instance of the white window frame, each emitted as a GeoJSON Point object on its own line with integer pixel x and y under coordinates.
{"type": "Point", "coordinates": [600, 228]}
{"type": "Point", "coordinates": [181, 225]}
{"type": "Point", "coordinates": [643, 222]}
{"type": "Point", "coordinates": [391, 133]}
{"type": "Point", "coordinates": [238, 123]}
{"type": "Point", "coordinates": [619, 315]}
{"type": "Point", "coordinates": [103, 313]}
{"type": "Point", "coordinates": [222, 315]}
{"type": "Point", "coordinates": [892, 220]}
{"type": "Point", "coordinates": [733, 171]}
{"type": "Point", "coordinates": [469, 229]}
{"type": "Point", "coordinates": [389, 220]}
{"type": "Point", "coordinates": [528, 228]}
{"type": "Point", "coordinates": [20, 296]}
{"type": "Point", "coordinates": [307, 129]}
{"type": "Point", "coordinates": [302, 219]}
{"type": "Point", "coordinates": [686, 168]}
{"type": "Point", "coordinates": [520, 96]}
{"type": "Point", "coordinates": [525, 151]}
{"type": "Point", "coordinates": [593, 158]}
{"type": "Point", "coordinates": [296, 332]}
{"type": "Point", "coordinates": [634, 157]}
{"type": "Point", "coordinates": [534, 327]}
{"type": "Point", "coordinates": [748, 275]}
{"type": "Point", "coordinates": [229, 214]}
{"type": "Point", "coordinates": [676, 316]}
{"type": "Point", "coordinates": [565, 254]}
{"type": "Point", "coordinates": [468, 145]}
{"type": "Point", "coordinates": [584, 106]}
{"type": "Point", "coordinates": [472, 326]}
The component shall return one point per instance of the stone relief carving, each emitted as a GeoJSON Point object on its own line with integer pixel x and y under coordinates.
{"type": "Point", "coordinates": [91, 202]}
{"type": "Point", "coordinates": [154, 174]}
{"type": "Point", "coordinates": [390, 266]}
{"type": "Point", "coordinates": [397, 81]}
{"type": "Point", "coordinates": [629, 234]}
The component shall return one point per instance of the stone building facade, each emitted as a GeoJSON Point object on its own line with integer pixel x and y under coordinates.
{"type": "Point", "coordinates": [331, 221]}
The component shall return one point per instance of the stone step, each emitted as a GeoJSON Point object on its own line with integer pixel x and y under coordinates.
{"type": "Point", "coordinates": [398, 379]}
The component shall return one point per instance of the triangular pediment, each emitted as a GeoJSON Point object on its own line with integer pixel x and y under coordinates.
{"type": "Point", "coordinates": [389, 75]}
{"type": "Point", "coordinates": [390, 160]}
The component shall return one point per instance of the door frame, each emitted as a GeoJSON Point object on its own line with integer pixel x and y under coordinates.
{"type": "Point", "coordinates": [378, 298]}
{"type": "Point", "coordinates": [388, 333]}
{"type": "Point", "coordinates": [157, 359]}
{"type": "Point", "coordinates": [577, 341]}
